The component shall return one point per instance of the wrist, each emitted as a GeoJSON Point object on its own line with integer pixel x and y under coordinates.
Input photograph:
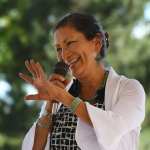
{"type": "Point", "coordinates": [46, 113]}
{"type": "Point", "coordinates": [66, 98]}
{"type": "Point", "coordinates": [75, 104]}
{"type": "Point", "coordinates": [44, 122]}
{"type": "Point", "coordinates": [49, 106]}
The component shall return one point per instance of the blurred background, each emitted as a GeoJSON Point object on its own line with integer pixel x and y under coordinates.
{"type": "Point", "coordinates": [25, 32]}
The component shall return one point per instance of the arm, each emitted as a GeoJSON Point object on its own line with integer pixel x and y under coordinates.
{"type": "Point", "coordinates": [126, 114]}
{"type": "Point", "coordinates": [111, 125]}
{"type": "Point", "coordinates": [41, 133]}
{"type": "Point", "coordinates": [36, 138]}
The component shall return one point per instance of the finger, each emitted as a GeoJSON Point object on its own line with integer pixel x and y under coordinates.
{"type": "Point", "coordinates": [29, 67]}
{"type": "Point", "coordinates": [26, 78]}
{"type": "Point", "coordinates": [66, 82]}
{"type": "Point", "coordinates": [41, 71]}
{"type": "Point", "coordinates": [33, 97]}
{"type": "Point", "coordinates": [58, 83]}
{"type": "Point", "coordinates": [37, 97]}
{"type": "Point", "coordinates": [38, 70]}
{"type": "Point", "coordinates": [57, 77]}
{"type": "Point", "coordinates": [34, 68]}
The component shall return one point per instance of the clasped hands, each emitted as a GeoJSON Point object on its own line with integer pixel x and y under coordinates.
{"type": "Point", "coordinates": [48, 89]}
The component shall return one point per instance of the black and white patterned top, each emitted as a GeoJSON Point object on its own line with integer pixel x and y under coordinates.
{"type": "Point", "coordinates": [65, 122]}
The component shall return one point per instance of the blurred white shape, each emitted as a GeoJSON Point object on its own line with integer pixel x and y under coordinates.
{"type": "Point", "coordinates": [147, 12]}
{"type": "Point", "coordinates": [4, 21]}
{"type": "Point", "coordinates": [4, 89]}
{"type": "Point", "coordinates": [29, 89]}
{"type": "Point", "coordinates": [51, 19]}
{"type": "Point", "coordinates": [141, 30]}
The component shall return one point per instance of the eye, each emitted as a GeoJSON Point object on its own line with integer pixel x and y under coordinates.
{"type": "Point", "coordinates": [70, 42]}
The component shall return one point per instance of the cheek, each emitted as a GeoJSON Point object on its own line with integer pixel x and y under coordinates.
{"type": "Point", "coordinates": [91, 50]}
{"type": "Point", "coordinates": [74, 47]}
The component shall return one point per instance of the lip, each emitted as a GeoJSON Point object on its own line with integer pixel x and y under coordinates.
{"type": "Point", "coordinates": [71, 61]}
{"type": "Point", "coordinates": [72, 64]}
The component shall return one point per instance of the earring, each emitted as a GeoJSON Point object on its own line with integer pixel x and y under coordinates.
{"type": "Point", "coordinates": [98, 57]}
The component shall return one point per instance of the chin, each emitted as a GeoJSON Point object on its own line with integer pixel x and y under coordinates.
{"type": "Point", "coordinates": [79, 74]}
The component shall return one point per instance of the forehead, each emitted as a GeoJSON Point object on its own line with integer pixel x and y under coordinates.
{"type": "Point", "coordinates": [63, 34]}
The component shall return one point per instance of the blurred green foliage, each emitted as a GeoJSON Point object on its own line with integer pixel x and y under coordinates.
{"type": "Point", "coordinates": [25, 27]}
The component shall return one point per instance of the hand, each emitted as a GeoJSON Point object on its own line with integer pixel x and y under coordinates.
{"type": "Point", "coordinates": [37, 72]}
{"type": "Point", "coordinates": [58, 80]}
{"type": "Point", "coordinates": [38, 79]}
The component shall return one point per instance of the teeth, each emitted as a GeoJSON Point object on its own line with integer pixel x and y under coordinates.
{"type": "Point", "coordinates": [74, 60]}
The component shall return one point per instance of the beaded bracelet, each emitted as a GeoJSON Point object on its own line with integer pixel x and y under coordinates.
{"type": "Point", "coordinates": [75, 103]}
{"type": "Point", "coordinates": [45, 114]}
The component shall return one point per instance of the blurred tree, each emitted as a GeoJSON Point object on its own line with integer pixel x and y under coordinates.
{"type": "Point", "coordinates": [25, 33]}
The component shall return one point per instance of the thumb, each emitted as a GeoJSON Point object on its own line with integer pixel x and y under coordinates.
{"type": "Point", "coordinates": [33, 97]}
{"type": "Point", "coordinates": [66, 82]}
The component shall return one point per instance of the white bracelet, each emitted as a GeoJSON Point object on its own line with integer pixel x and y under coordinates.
{"type": "Point", "coordinates": [46, 113]}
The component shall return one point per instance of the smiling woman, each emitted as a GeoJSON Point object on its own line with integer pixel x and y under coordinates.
{"type": "Point", "coordinates": [98, 109]}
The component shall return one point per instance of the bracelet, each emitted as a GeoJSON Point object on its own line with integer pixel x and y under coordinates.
{"type": "Point", "coordinates": [75, 103]}
{"type": "Point", "coordinates": [42, 125]}
{"type": "Point", "coordinates": [46, 113]}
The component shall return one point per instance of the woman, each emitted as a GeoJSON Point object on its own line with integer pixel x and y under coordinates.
{"type": "Point", "coordinates": [101, 111]}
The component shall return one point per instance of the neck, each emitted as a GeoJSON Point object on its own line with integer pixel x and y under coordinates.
{"type": "Point", "coordinates": [92, 81]}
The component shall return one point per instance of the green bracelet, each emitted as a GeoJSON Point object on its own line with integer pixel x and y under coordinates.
{"type": "Point", "coordinates": [75, 103]}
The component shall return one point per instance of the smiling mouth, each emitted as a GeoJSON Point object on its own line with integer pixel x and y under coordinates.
{"type": "Point", "coordinates": [74, 61]}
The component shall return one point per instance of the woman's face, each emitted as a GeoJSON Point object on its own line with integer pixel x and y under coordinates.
{"type": "Point", "coordinates": [75, 50]}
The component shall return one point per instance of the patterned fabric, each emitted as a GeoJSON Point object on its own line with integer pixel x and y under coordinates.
{"type": "Point", "coordinates": [65, 122]}
{"type": "Point", "coordinates": [64, 126]}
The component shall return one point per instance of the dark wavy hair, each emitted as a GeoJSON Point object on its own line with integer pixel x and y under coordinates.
{"type": "Point", "coordinates": [87, 25]}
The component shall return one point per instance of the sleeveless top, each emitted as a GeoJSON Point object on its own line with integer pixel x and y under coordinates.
{"type": "Point", "coordinates": [65, 122]}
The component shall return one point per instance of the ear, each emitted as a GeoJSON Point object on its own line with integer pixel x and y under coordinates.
{"type": "Point", "coordinates": [97, 42]}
